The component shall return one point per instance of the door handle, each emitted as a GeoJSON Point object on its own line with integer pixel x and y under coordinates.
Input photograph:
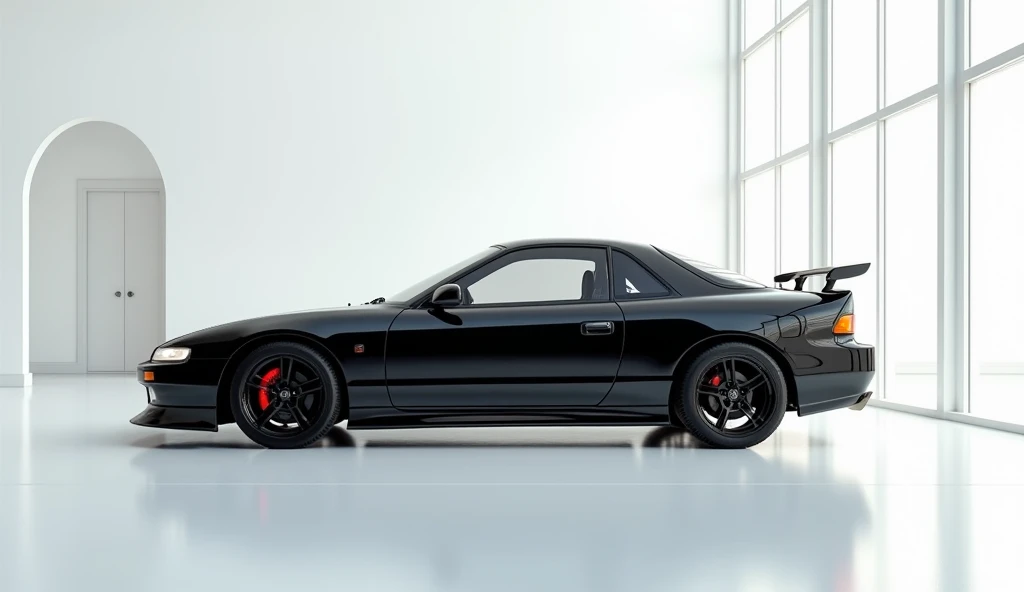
{"type": "Point", "coordinates": [118, 293]}
{"type": "Point", "coordinates": [598, 328]}
{"type": "Point", "coordinates": [130, 294]}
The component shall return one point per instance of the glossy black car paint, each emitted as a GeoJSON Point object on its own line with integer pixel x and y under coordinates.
{"type": "Point", "coordinates": [406, 364]}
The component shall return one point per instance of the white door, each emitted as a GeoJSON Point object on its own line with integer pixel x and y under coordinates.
{"type": "Point", "coordinates": [143, 277]}
{"type": "Point", "coordinates": [124, 278]}
{"type": "Point", "coordinates": [105, 260]}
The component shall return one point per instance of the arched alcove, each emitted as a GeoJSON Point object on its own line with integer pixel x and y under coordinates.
{"type": "Point", "coordinates": [95, 198]}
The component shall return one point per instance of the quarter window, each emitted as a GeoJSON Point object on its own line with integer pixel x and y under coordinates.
{"type": "Point", "coordinates": [554, 274]}
{"type": "Point", "coordinates": [632, 280]}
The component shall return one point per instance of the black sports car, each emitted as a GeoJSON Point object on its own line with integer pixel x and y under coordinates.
{"type": "Point", "coordinates": [542, 332]}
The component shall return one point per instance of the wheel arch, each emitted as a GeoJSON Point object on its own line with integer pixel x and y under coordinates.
{"type": "Point", "coordinates": [224, 413]}
{"type": "Point", "coordinates": [691, 354]}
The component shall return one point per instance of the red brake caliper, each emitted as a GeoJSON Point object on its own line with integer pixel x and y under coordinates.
{"type": "Point", "coordinates": [265, 382]}
{"type": "Point", "coordinates": [717, 380]}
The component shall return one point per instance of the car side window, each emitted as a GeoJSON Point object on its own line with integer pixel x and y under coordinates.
{"type": "Point", "coordinates": [544, 274]}
{"type": "Point", "coordinates": [632, 280]}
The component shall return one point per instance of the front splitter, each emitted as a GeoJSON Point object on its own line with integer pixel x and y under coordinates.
{"type": "Point", "coordinates": [178, 418]}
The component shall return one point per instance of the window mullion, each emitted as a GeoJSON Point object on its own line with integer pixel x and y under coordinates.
{"type": "Point", "coordinates": [880, 268]}
{"type": "Point", "coordinates": [778, 95]}
{"type": "Point", "coordinates": [953, 336]}
{"type": "Point", "coordinates": [965, 33]}
{"type": "Point", "coordinates": [820, 217]}
{"type": "Point", "coordinates": [734, 210]}
{"type": "Point", "coordinates": [881, 356]}
{"type": "Point", "coordinates": [778, 220]}
{"type": "Point", "coordinates": [880, 56]}
{"type": "Point", "coordinates": [778, 140]}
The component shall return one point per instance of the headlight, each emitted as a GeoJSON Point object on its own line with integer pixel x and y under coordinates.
{"type": "Point", "coordinates": [171, 354]}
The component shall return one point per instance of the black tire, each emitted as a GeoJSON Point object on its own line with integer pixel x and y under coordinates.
{"type": "Point", "coordinates": [295, 408]}
{"type": "Point", "coordinates": [755, 386]}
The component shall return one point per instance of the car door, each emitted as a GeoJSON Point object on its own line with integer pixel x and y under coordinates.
{"type": "Point", "coordinates": [536, 329]}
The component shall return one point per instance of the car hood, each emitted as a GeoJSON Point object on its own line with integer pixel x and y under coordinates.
{"type": "Point", "coordinates": [221, 341]}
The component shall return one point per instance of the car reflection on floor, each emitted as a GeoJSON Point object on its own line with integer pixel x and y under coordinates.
{"type": "Point", "coordinates": [475, 509]}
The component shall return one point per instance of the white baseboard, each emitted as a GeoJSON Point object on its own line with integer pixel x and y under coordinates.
{"type": "Point", "coordinates": [56, 368]}
{"type": "Point", "coordinates": [1001, 368]}
{"type": "Point", "coordinates": [16, 380]}
{"type": "Point", "coordinates": [984, 368]}
{"type": "Point", "coordinates": [951, 416]}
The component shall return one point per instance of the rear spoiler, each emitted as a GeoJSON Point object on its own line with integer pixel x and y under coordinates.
{"type": "Point", "coordinates": [831, 274]}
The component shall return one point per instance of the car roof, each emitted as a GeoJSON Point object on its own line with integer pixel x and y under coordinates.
{"type": "Point", "coordinates": [592, 242]}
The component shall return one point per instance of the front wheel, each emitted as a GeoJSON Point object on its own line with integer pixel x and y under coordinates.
{"type": "Point", "coordinates": [285, 395]}
{"type": "Point", "coordinates": [733, 396]}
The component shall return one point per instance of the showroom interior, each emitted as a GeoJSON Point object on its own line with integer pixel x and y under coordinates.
{"type": "Point", "coordinates": [167, 166]}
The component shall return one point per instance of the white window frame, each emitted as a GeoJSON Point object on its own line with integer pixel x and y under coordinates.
{"type": "Point", "coordinates": [738, 171]}
{"type": "Point", "coordinates": [952, 92]}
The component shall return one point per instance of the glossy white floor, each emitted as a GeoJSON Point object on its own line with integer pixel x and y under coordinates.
{"type": "Point", "coordinates": [875, 500]}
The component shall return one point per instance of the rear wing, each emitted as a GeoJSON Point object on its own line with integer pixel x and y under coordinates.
{"type": "Point", "coordinates": [831, 274]}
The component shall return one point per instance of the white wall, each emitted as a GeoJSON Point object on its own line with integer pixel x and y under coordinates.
{"type": "Point", "coordinates": [87, 151]}
{"type": "Point", "coordinates": [317, 152]}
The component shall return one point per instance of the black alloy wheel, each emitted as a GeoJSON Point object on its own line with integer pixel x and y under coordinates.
{"type": "Point", "coordinates": [733, 396]}
{"type": "Point", "coordinates": [285, 395]}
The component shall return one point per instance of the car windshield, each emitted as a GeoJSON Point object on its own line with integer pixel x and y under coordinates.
{"type": "Point", "coordinates": [724, 275]}
{"type": "Point", "coordinates": [417, 288]}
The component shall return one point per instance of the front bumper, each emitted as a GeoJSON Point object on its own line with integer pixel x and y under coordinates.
{"type": "Point", "coordinates": [181, 396]}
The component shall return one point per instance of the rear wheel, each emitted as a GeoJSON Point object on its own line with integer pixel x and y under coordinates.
{"type": "Point", "coordinates": [733, 396]}
{"type": "Point", "coordinates": [285, 395]}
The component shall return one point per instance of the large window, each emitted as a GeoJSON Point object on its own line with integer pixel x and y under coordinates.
{"type": "Point", "coordinates": [854, 230]}
{"type": "Point", "coordinates": [911, 263]}
{"type": "Point", "coordinates": [795, 86]}
{"type": "Point", "coordinates": [996, 245]}
{"type": "Point", "coordinates": [883, 190]}
{"type": "Point", "coordinates": [776, 134]}
{"type": "Point", "coordinates": [759, 110]}
{"type": "Point", "coordinates": [759, 227]}
{"type": "Point", "coordinates": [795, 216]}
{"type": "Point", "coordinates": [911, 47]}
{"type": "Point", "coordinates": [866, 143]}
{"type": "Point", "coordinates": [995, 26]}
{"type": "Point", "coordinates": [854, 60]}
{"type": "Point", "coordinates": [759, 17]}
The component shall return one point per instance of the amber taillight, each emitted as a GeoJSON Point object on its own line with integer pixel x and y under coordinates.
{"type": "Point", "coordinates": [843, 325]}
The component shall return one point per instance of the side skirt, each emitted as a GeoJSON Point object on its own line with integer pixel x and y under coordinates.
{"type": "Point", "coordinates": [389, 417]}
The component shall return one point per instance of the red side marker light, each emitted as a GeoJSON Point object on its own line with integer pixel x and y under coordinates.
{"type": "Point", "coordinates": [359, 348]}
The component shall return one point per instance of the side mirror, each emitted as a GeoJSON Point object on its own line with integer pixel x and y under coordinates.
{"type": "Point", "coordinates": [447, 295]}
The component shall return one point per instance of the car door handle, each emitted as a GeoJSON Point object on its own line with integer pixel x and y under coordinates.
{"type": "Point", "coordinates": [598, 328]}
